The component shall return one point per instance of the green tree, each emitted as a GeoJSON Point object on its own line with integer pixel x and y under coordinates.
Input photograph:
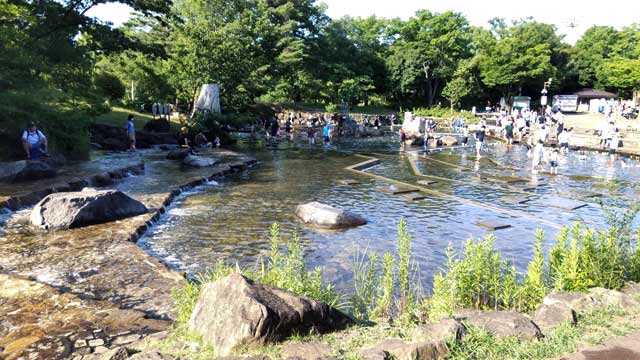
{"type": "Point", "coordinates": [620, 74]}
{"type": "Point", "coordinates": [427, 53]}
{"type": "Point", "coordinates": [593, 48]}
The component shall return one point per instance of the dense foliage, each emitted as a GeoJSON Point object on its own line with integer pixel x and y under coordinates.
{"type": "Point", "coordinates": [284, 51]}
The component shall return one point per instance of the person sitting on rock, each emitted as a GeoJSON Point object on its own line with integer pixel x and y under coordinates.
{"type": "Point", "coordinates": [34, 142]}
{"type": "Point", "coordinates": [202, 141]}
{"type": "Point", "coordinates": [183, 138]}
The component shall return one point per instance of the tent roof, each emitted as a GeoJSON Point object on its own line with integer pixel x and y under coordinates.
{"type": "Point", "coordinates": [594, 94]}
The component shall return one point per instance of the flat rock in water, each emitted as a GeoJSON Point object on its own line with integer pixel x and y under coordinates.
{"type": "Point", "coordinates": [561, 203]}
{"type": "Point", "coordinates": [327, 217]}
{"type": "Point", "coordinates": [414, 196]}
{"type": "Point", "coordinates": [199, 161]}
{"type": "Point", "coordinates": [77, 209]}
{"type": "Point", "coordinates": [349, 182]}
{"type": "Point", "coordinates": [395, 190]}
{"type": "Point", "coordinates": [515, 199]}
{"type": "Point", "coordinates": [493, 225]}
{"type": "Point", "coordinates": [426, 182]}
{"type": "Point", "coordinates": [178, 154]}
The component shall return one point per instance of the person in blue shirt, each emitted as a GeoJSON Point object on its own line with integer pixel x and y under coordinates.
{"type": "Point", "coordinates": [131, 133]}
{"type": "Point", "coordinates": [326, 134]}
{"type": "Point", "coordinates": [34, 142]}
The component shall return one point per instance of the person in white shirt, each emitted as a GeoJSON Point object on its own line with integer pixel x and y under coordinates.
{"type": "Point", "coordinates": [539, 156]}
{"type": "Point", "coordinates": [34, 142]}
{"type": "Point", "coordinates": [563, 139]}
{"type": "Point", "coordinates": [613, 144]}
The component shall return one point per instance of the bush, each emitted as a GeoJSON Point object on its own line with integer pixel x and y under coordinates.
{"type": "Point", "coordinates": [444, 113]}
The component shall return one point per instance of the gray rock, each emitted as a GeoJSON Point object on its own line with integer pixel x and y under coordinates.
{"type": "Point", "coordinates": [234, 311]}
{"type": "Point", "coordinates": [632, 289]}
{"type": "Point", "coordinates": [575, 300]}
{"type": "Point", "coordinates": [102, 179]}
{"type": "Point", "coordinates": [199, 161]}
{"type": "Point", "coordinates": [77, 209]}
{"type": "Point", "coordinates": [449, 140]}
{"type": "Point", "coordinates": [178, 154]}
{"type": "Point", "coordinates": [326, 217]}
{"type": "Point", "coordinates": [504, 324]}
{"type": "Point", "coordinates": [151, 355]}
{"type": "Point", "coordinates": [403, 350]}
{"type": "Point", "coordinates": [548, 317]}
{"type": "Point", "coordinates": [35, 170]}
{"type": "Point", "coordinates": [614, 298]}
{"type": "Point", "coordinates": [8, 170]}
{"type": "Point", "coordinates": [306, 351]}
{"type": "Point", "coordinates": [442, 330]}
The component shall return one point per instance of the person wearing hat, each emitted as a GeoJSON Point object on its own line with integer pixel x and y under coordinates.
{"type": "Point", "coordinates": [34, 142]}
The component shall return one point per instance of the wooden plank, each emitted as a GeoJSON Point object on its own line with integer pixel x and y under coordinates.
{"type": "Point", "coordinates": [348, 182]}
{"type": "Point", "coordinates": [414, 196]}
{"type": "Point", "coordinates": [395, 190]}
{"type": "Point", "coordinates": [493, 225]}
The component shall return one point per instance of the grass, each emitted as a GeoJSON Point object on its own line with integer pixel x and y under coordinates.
{"type": "Point", "coordinates": [118, 117]}
{"type": "Point", "coordinates": [592, 328]}
{"type": "Point", "coordinates": [385, 291]}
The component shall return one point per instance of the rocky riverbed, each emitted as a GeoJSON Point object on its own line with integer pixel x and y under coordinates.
{"type": "Point", "coordinates": [85, 290]}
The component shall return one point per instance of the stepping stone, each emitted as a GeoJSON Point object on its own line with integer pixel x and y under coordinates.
{"type": "Point", "coordinates": [426, 182]}
{"type": "Point", "coordinates": [515, 199]}
{"type": "Point", "coordinates": [493, 225]}
{"type": "Point", "coordinates": [349, 182]}
{"type": "Point", "coordinates": [414, 196]}
{"type": "Point", "coordinates": [561, 203]}
{"type": "Point", "coordinates": [395, 190]}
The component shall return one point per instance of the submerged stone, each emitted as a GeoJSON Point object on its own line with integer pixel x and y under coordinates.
{"type": "Point", "coordinates": [327, 217]}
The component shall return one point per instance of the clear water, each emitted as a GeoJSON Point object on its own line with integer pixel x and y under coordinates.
{"type": "Point", "coordinates": [231, 220]}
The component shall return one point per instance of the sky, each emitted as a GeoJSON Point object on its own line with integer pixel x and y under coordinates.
{"type": "Point", "coordinates": [582, 14]}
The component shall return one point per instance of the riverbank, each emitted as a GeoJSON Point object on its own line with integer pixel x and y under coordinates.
{"type": "Point", "coordinates": [82, 291]}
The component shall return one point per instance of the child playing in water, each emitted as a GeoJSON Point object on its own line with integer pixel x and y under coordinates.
{"type": "Point", "coordinates": [553, 159]}
{"type": "Point", "coordinates": [539, 156]}
{"type": "Point", "coordinates": [465, 135]}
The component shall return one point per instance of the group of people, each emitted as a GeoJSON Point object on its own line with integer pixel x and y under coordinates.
{"type": "Point", "coordinates": [184, 140]}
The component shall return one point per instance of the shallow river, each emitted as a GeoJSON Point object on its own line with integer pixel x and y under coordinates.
{"type": "Point", "coordinates": [231, 220]}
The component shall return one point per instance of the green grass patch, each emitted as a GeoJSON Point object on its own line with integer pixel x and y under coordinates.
{"type": "Point", "coordinates": [118, 117]}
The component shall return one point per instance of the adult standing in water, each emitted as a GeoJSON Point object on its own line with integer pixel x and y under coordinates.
{"type": "Point", "coordinates": [480, 133]}
{"type": "Point", "coordinates": [403, 139]}
{"type": "Point", "coordinates": [614, 144]}
{"type": "Point", "coordinates": [131, 133]}
{"type": "Point", "coordinates": [34, 142]}
{"type": "Point", "coordinates": [508, 132]}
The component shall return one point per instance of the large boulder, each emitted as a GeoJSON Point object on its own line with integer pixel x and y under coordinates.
{"type": "Point", "coordinates": [327, 217]}
{"type": "Point", "coordinates": [178, 154]}
{"type": "Point", "coordinates": [548, 317]}
{"type": "Point", "coordinates": [35, 170]}
{"type": "Point", "coordinates": [575, 300]}
{"type": "Point", "coordinates": [234, 311]}
{"type": "Point", "coordinates": [159, 126]}
{"type": "Point", "coordinates": [199, 161]}
{"type": "Point", "coordinates": [614, 298]}
{"type": "Point", "coordinates": [504, 324]}
{"type": "Point", "coordinates": [404, 350]}
{"type": "Point", "coordinates": [77, 209]}
{"type": "Point", "coordinates": [8, 170]}
{"type": "Point", "coordinates": [442, 330]}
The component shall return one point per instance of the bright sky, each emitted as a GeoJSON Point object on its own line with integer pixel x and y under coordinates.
{"type": "Point", "coordinates": [583, 14]}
